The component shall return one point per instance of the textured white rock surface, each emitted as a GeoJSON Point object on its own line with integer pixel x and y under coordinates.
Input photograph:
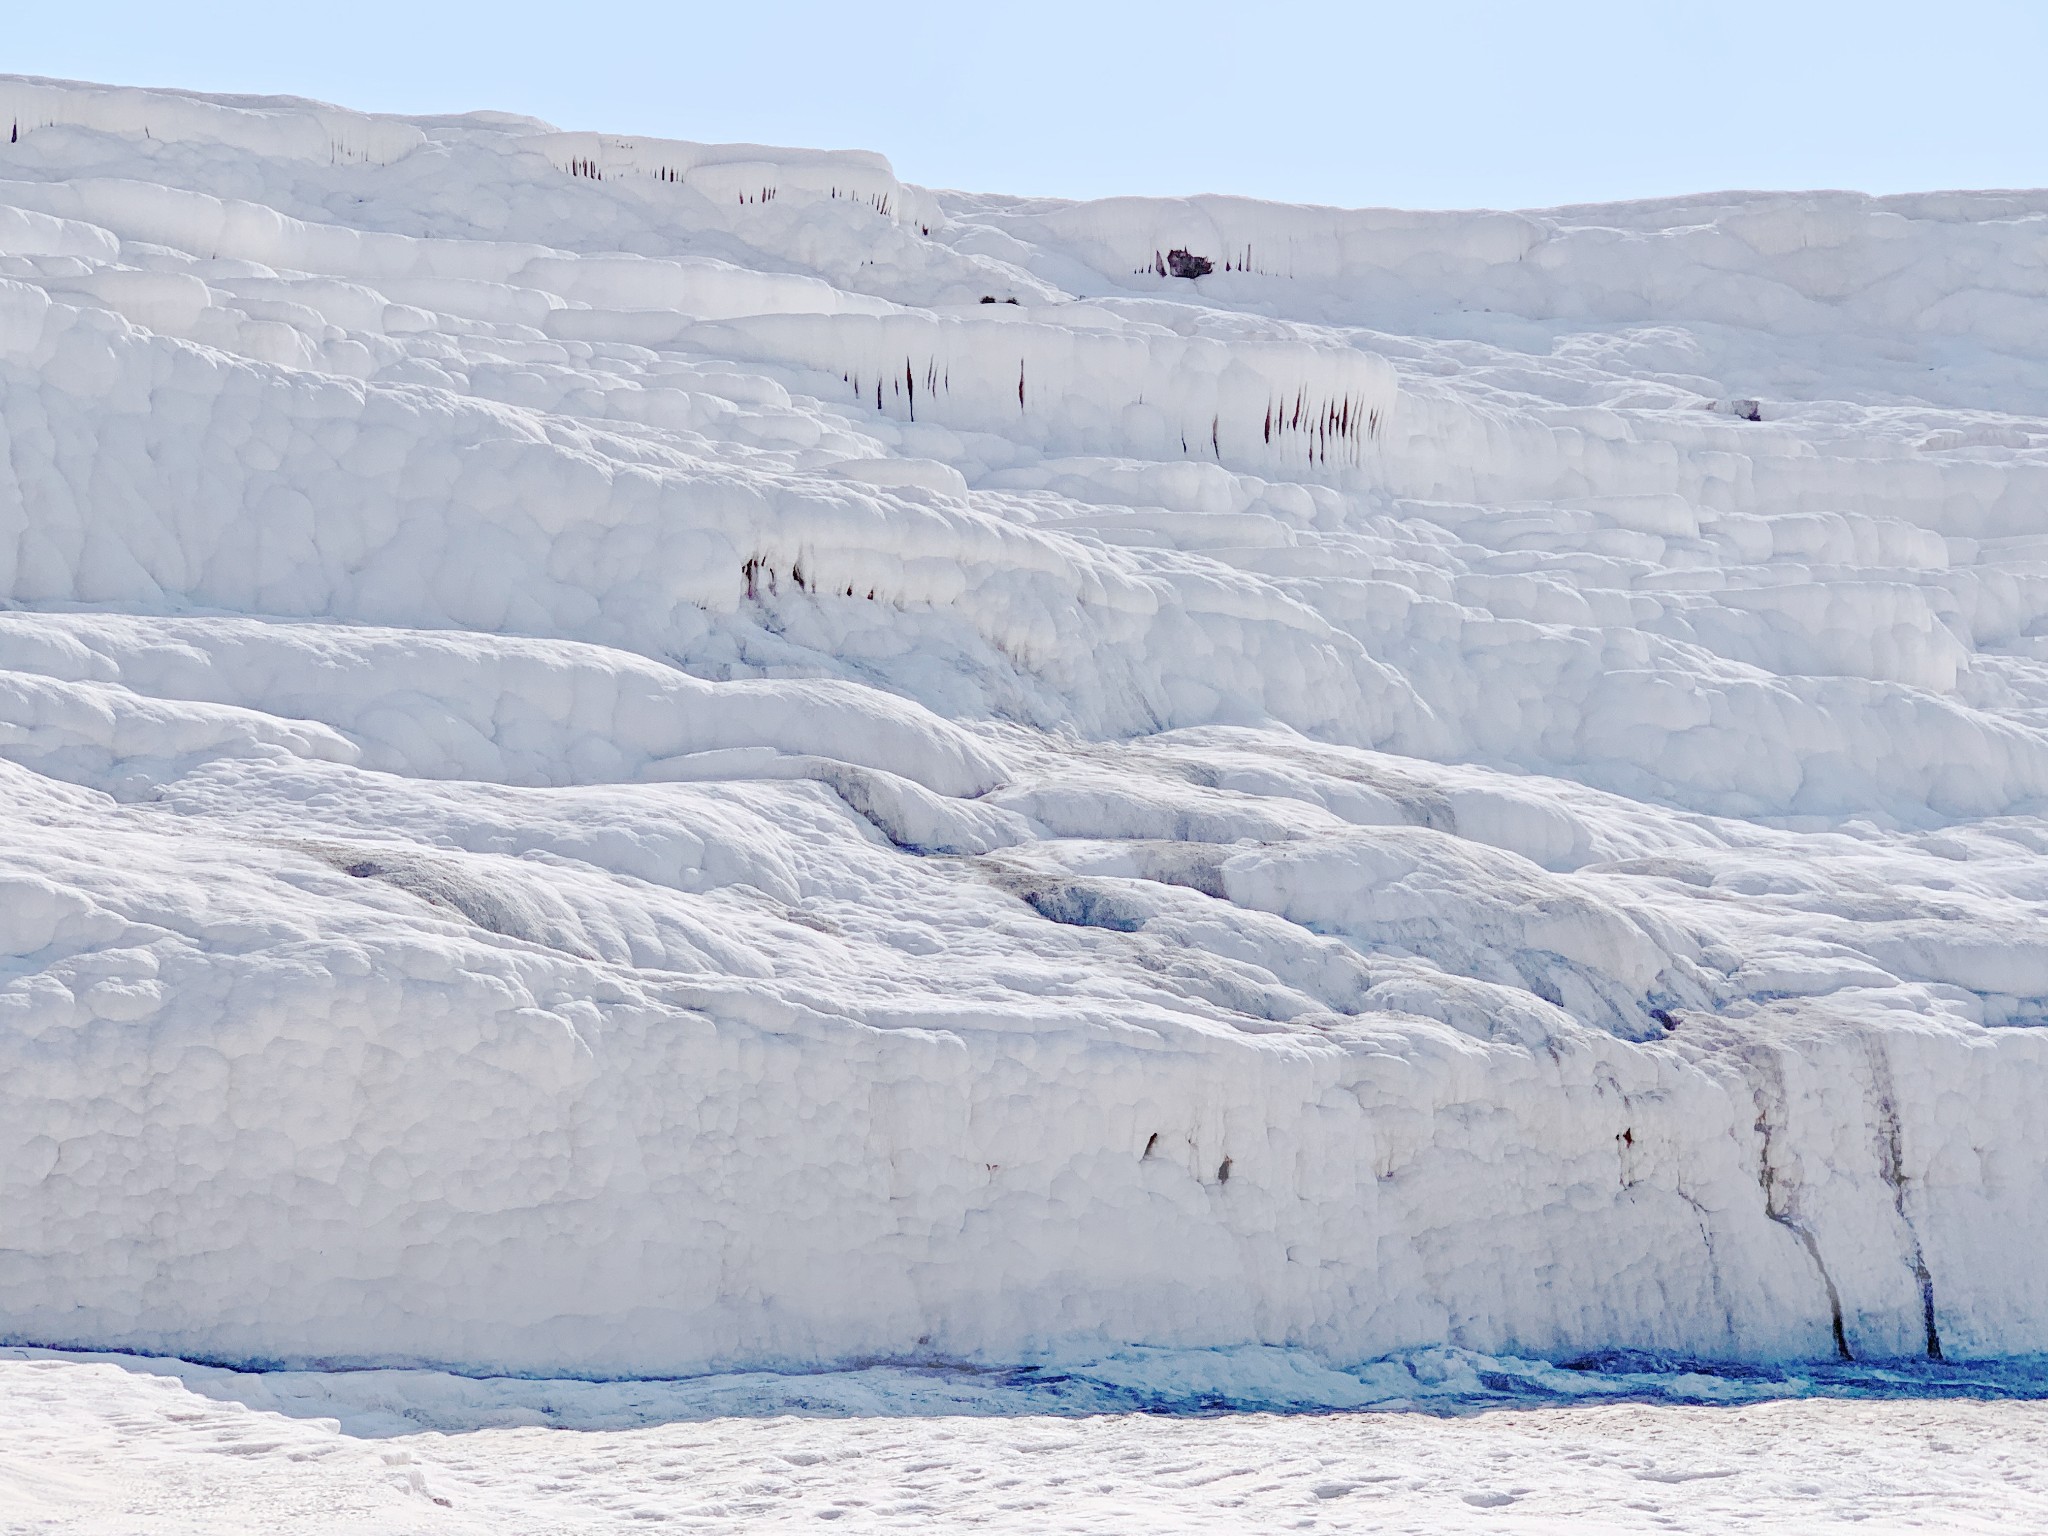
{"type": "Point", "coordinates": [605, 770]}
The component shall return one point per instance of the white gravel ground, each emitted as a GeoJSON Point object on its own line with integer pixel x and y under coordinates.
{"type": "Point", "coordinates": [101, 1447]}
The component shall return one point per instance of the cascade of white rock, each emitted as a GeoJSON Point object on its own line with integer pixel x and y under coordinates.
{"type": "Point", "coordinates": [612, 763]}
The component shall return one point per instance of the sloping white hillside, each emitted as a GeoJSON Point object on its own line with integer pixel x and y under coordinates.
{"type": "Point", "coordinates": [626, 757]}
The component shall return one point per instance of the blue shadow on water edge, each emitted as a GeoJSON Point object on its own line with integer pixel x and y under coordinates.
{"type": "Point", "coordinates": [1188, 1382]}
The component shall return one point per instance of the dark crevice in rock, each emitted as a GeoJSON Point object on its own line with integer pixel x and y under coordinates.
{"type": "Point", "coordinates": [1891, 1168]}
{"type": "Point", "coordinates": [1083, 904]}
{"type": "Point", "coordinates": [1769, 1087]}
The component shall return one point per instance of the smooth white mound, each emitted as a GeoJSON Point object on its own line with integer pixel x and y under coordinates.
{"type": "Point", "coordinates": [614, 765]}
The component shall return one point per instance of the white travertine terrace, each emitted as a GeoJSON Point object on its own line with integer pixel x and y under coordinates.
{"type": "Point", "coordinates": [612, 764]}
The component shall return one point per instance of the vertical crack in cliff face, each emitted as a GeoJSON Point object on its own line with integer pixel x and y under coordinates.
{"type": "Point", "coordinates": [1891, 1168]}
{"type": "Point", "coordinates": [1767, 1082]}
{"type": "Point", "coordinates": [1715, 1279]}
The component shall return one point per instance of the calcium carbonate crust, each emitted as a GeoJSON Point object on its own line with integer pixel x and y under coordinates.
{"type": "Point", "coordinates": [612, 764]}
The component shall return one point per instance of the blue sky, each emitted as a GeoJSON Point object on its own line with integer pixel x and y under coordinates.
{"type": "Point", "coordinates": [1434, 103]}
